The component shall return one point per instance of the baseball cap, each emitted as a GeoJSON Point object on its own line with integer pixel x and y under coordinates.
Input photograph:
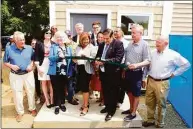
{"type": "Point", "coordinates": [68, 32]}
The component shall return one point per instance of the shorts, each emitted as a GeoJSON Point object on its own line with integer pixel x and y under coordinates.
{"type": "Point", "coordinates": [134, 82]}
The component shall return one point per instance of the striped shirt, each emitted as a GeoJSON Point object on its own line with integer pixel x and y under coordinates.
{"type": "Point", "coordinates": [137, 52]}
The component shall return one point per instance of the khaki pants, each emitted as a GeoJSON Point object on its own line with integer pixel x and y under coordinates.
{"type": "Point", "coordinates": [156, 94]}
{"type": "Point", "coordinates": [17, 83]}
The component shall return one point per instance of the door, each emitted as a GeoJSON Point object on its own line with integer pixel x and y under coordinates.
{"type": "Point", "coordinates": [87, 20]}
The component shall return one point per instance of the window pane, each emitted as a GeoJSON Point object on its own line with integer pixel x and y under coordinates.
{"type": "Point", "coordinates": [127, 21]}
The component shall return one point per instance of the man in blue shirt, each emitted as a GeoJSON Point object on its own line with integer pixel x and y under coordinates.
{"type": "Point", "coordinates": [19, 58]}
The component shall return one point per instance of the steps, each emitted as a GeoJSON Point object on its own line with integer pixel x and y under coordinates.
{"type": "Point", "coordinates": [93, 119]}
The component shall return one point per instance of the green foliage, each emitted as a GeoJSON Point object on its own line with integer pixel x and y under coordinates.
{"type": "Point", "coordinates": [28, 16]}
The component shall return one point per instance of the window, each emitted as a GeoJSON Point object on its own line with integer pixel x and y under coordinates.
{"type": "Point", "coordinates": [125, 21]}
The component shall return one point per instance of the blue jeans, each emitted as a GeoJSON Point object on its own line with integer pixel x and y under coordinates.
{"type": "Point", "coordinates": [70, 89]}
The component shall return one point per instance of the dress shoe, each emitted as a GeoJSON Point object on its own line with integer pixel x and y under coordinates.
{"type": "Point", "coordinates": [146, 123]}
{"type": "Point", "coordinates": [19, 118]}
{"type": "Point", "coordinates": [126, 112]}
{"type": "Point", "coordinates": [63, 108]}
{"type": "Point", "coordinates": [104, 110]}
{"type": "Point", "coordinates": [108, 117]}
{"type": "Point", "coordinates": [57, 110]}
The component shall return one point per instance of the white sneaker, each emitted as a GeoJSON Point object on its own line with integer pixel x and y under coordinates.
{"type": "Point", "coordinates": [38, 101]}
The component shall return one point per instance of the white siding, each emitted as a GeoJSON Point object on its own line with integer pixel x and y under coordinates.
{"type": "Point", "coordinates": [182, 18]}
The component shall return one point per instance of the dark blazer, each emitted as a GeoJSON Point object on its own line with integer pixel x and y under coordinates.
{"type": "Point", "coordinates": [39, 52]}
{"type": "Point", "coordinates": [114, 53]}
{"type": "Point", "coordinates": [74, 38]}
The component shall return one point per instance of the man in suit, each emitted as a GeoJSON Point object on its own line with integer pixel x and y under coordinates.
{"type": "Point", "coordinates": [79, 27]}
{"type": "Point", "coordinates": [96, 26]}
{"type": "Point", "coordinates": [112, 51]}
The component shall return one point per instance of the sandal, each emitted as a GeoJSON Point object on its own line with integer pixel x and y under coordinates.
{"type": "Point", "coordinates": [83, 112]}
{"type": "Point", "coordinates": [82, 107]}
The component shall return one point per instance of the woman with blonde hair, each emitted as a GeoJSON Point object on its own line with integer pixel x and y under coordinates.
{"type": "Point", "coordinates": [85, 68]}
{"type": "Point", "coordinates": [42, 51]}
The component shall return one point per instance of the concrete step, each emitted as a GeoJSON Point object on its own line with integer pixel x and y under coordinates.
{"type": "Point", "coordinates": [93, 119]}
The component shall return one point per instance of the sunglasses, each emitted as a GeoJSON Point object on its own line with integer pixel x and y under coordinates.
{"type": "Point", "coordinates": [48, 33]}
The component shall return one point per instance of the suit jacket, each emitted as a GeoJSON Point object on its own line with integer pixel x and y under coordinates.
{"type": "Point", "coordinates": [39, 52]}
{"type": "Point", "coordinates": [114, 53]}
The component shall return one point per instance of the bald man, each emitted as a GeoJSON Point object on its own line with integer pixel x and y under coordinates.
{"type": "Point", "coordinates": [162, 67]}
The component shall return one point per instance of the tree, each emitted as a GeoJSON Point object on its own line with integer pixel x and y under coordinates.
{"type": "Point", "coordinates": [28, 16]}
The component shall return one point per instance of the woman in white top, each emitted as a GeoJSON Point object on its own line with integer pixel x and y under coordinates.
{"type": "Point", "coordinates": [85, 68]}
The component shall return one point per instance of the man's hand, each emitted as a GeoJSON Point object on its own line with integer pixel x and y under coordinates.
{"type": "Point", "coordinates": [99, 63]}
{"type": "Point", "coordinates": [29, 68]}
{"type": "Point", "coordinates": [74, 60]}
{"type": "Point", "coordinates": [133, 66]}
{"type": "Point", "coordinates": [15, 67]}
{"type": "Point", "coordinates": [144, 84]}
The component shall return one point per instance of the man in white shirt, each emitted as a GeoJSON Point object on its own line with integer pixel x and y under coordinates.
{"type": "Point", "coordinates": [162, 67]}
{"type": "Point", "coordinates": [119, 35]}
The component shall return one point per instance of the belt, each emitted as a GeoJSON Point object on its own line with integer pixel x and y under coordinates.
{"type": "Point", "coordinates": [159, 79]}
{"type": "Point", "coordinates": [19, 72]}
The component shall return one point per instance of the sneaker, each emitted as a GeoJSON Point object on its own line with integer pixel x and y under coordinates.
{"type": "Point", "coordinates": [146, 124]}
{"type": "Point", "coordinates": [129, 117]}
{"type": "Point", "coordinates": [33, 113]}
{"type": "Point", "coordinates": [19, 118]}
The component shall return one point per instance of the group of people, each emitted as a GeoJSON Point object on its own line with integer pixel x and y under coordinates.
{"type": "Point", "coordinates": [63, 77]}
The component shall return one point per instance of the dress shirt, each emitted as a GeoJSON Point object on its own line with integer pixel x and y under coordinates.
{"type": "Point", "coordinates": [103, 56]}
{"type": "Point", "coordinates": [164, 64]}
